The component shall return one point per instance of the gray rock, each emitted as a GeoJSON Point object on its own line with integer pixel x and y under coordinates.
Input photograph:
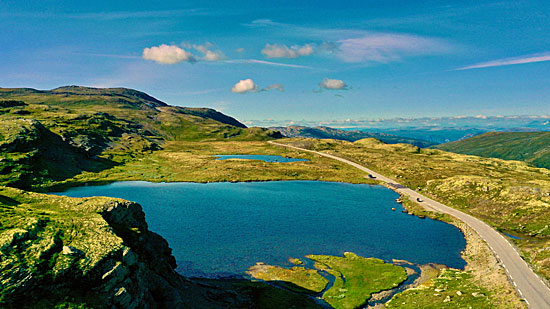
{"type": "Point", "coordinates": [70, 250]}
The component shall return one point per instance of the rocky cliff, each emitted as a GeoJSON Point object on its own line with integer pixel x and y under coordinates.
{"type": "Point", "coordinates": [57, 251]}
{"type": "Point", "coordinates": [96, 251]}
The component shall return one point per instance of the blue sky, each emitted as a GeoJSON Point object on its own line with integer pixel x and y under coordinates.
{"type": "Point", "coordinates": [282, 60]}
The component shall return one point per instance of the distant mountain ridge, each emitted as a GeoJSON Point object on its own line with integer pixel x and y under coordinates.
{"type": "Point", "coordinates": [352, 136]}
{"type": "Point", "coordinates": [531, 147]}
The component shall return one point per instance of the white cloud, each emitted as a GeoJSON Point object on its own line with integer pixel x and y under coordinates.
{"type": "Point", "coordinates": [248, 85]}
{"type": "Point", "coordinates": [167, 54]}
{"type": "Point", "coordinates": [209, 54]}
{"type": "Point", "coordinates": [245, 86]}
{"type": "Point", "coordinates": [333, 84]}
{"type": "Point", "coordinates": [509, 61]}
{"type": "Point", "coordinates": [283, 51]}
{"type": "Point", "coordinates": [386, 47]}
{"type": "Point", "coordinates": [170, 54]}
{"type": "Point", "coordinates": [240, 50]}
{"type": "Point", "coordinates": [305, 50]}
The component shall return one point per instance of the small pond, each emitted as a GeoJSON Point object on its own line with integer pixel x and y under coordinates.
{"type": "Point", "coordinates": [221, 229]}
{"type": "Point", "coordinates": [266, 158]}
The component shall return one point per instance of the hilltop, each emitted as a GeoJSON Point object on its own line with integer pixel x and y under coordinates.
{"type": "Point", "coordinates": [49, 135]}
{"type": "Point", "coordinates": [351, 136]}
{"type": "Point", "coordinates": [531, 147]}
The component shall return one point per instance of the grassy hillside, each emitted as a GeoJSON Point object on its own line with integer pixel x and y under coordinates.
{"type": "Point", "coordinates": [531, 147]}
{"type": "Point", "coordinates": [53, 135]}
{"type": "Point", "coordinates": [351, 136]}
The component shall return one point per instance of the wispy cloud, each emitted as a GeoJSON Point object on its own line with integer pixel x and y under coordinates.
{"type": "Point", "coordinates": [108, 55]}
{"type": "Point", "coordinates": [279, 87]}
{"type": "Point", "coordinates": [508, 61]}
{"type": "Point", "coordinates": [137, 14]}
{"type": "Point", "coordinates": [278, 64]}
{"type": "Point", "coordinates": [387, 47]}
{"type": "Point", "coordinates": [209, 51]}
{"type": "Point", "coordinates": [353, 45]}
{"type": "Point", "coordinates": [283, 51]}
{"type": "Point", "coordinates": [263, 22]}
{"type": "Point", "coordinates": [112, 15]}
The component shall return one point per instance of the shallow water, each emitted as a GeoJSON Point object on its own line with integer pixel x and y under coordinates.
{"type": "Point", "coordinates": [221, 229]}
{"type": "Point", "coordinates": [266, 158]}
{"type": "Point", "coordinates": [512, 236]}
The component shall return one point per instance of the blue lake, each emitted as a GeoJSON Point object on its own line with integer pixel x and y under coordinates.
{"type": "Point", "coordinates": [220, 229]}
{"type": "Point", "coordinates": [266, 158]}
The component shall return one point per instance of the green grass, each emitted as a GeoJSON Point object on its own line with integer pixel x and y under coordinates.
{"type": "Point", "coordinates": [357, 278]}
{"type": "Point", "coordinates": [296, 278]}
{"type": "Point", "coordinates": [34, 228]}
{"type": "Point", "coordinates": [451, 289]}
{"type": "Point", "coordinates": [531, 147]}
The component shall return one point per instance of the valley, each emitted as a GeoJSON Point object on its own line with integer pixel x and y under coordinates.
{"type": "Point", "coordinates": [101, 137]}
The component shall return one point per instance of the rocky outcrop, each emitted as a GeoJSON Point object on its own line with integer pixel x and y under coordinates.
{"type": "Point", "coordinates": [32, 154]}
{"type": "Point", "coordinates": [137, 271]}
{"type": "Point", "coordinates": [142, 273]}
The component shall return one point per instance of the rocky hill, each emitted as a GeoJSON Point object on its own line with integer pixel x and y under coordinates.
{"type": "Point", "coordinates": [55, 134]}
{"type": "Point", "coordinates": [351, 136]}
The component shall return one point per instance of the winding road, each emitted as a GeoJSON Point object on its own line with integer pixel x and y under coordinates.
{"type": "Point", "coordinates": [528, 285]}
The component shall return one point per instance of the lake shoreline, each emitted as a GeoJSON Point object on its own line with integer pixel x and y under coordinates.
{"type": "Point", "coordinates": [368, 202]}
{"type": "Point", "coordinates": [474, 245]}
{"type": "Point", "coordinates": [480, 259]}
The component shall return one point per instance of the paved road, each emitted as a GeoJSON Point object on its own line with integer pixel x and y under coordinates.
{"type": "Point", "coordinates": [533, 290]}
